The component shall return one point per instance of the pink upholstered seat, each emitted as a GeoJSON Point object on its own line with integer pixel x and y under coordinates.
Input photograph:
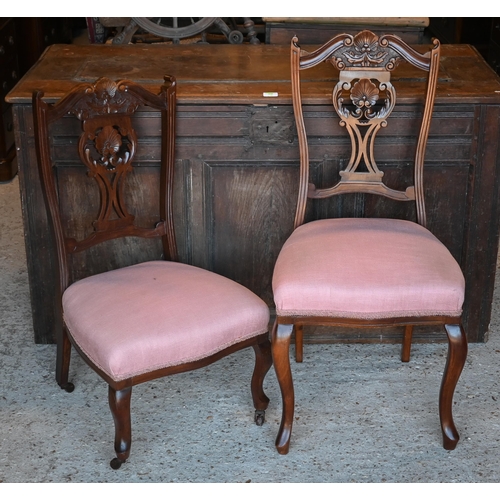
{"type": "Point", "coordinates": [366, 269]}
{"type": "Point", "coordinates": [137, 319]}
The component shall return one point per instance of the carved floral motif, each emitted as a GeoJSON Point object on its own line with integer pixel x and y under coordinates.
{"type": "Point", "coordinates": [365, 50]}
{"type": "Point", "coordinates": [105, 96]}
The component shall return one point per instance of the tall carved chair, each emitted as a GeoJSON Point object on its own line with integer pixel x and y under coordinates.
{"type": "Point", "coordinates": [139, 322]}
{"type": "Point", "coordinates": [366, 272]}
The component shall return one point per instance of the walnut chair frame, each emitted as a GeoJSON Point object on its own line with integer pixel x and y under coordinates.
{"type": "Point", "coordinates": [107, 146]}
{"type": "Point", "coordinates": [365, 63]}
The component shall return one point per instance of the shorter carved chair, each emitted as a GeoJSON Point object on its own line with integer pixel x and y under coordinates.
{"type": "Point", "coordinates": [147, 320]}
{"type": "Point", "coordinates": [366, 272]}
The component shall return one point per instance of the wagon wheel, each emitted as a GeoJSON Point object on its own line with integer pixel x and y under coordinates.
{"type": "Point", "coordinates": [174, 27]}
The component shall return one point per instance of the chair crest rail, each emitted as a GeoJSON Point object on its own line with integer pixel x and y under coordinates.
{"type": "Point", "coordinates": [364, 99]}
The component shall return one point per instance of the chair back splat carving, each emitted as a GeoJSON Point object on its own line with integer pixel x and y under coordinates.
{"type": "Point", "coordinates": [363, 98]}
{"type": "Point", "coordinates": [366, 271]}
{"type": "Point", "coordinates": [137, 322]}
{"type": "Point", "coordinates": [107, 147]}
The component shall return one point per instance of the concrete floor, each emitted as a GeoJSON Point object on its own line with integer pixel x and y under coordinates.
{"type": "Point", "coordinates": [362, 415]}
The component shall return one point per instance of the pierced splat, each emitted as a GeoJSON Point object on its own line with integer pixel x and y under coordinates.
{"type": "Point", "coordinates": [363, 98]}
{"type": "Point", "coordinates": [363, 121]}
{"type": "Point", "coordinates": [107, 147]}
{"type": "Point", "coordinates": [363, 103]}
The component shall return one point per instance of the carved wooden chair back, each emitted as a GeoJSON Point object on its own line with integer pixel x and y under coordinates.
{"type": "Point", "coordinates": [363, 98]}
{"type": "Point", "coordinates": [136, 322]}
{"type": "Point", "coordinates": [107, 148]}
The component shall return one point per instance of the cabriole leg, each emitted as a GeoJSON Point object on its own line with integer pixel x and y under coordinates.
{"type": "Point", "coordinates": [457, 354]}
{"type": "Point", "coordinates": [263, 362]}
{"type": "Point", "coordinates": [119, 404]}
{"type": "Point", "coordinates": [281, 337]}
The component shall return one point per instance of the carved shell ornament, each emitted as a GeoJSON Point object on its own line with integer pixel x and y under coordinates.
{"type": "Point", "coordinates": [108, 143]}
{"type": "Point", "coordinates": [366, 100]}
{"type": "Point", "coordinates": [364, 94]}
{"type": "Point", "coordinates": [105, 90]}
{"type": "Point", "coordinates": [366, 50]}
{"type": "Point", "coordinates": [106, 96]}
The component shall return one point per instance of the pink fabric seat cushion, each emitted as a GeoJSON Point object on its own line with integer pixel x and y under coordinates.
{"type": "Point", "coordinates": [158, 314]}
{"type": "Point", "coordinates": [366, 269]}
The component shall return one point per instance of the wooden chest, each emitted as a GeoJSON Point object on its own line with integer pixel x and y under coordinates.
{"type": "Point", "coordinates": [237, 162]}
{"type": "Point", "coordinates": [318, 30]}
{"type": "Point", "coordinates": [9, 74]}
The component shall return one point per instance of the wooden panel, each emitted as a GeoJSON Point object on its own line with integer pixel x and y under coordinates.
{"type": "Point", "coordinates": [237, 211]}
{"type": "Point", "coordinates": [40, 249]}
{"type": "Point", "coordinates": [248, 207]}
{"type": "Point", "coordinates": [482, 222]}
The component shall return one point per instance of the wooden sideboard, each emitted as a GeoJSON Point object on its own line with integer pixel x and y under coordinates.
{"type": "Point", "coordinates": [22, 41]}
{"type": "Point", "coordinates": [237, 163]}
{"type": "Point", "coordinates": [318, 30]}
{"type": "Point", "coordinates": [9, 74]}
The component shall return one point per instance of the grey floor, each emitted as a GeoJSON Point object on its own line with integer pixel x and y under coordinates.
{"type": "Point", "coordinates": [362, 415]}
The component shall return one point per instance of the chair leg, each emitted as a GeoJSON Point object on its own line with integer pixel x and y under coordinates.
{"type": "Point", "coordinates": [457, 354]}
{"type": "Point", "coordinates": [263, 362]}
{"type": "Point", "coordinates": [281, 336]}
{"type": "Point", "coordinates": [299, 343]}
{"type": "Point", "coordinates": [406, 348]}
{"type": "Point", "coordinates": [119, 403]}
{"type": "Point", "coordinates": [62, 361]}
